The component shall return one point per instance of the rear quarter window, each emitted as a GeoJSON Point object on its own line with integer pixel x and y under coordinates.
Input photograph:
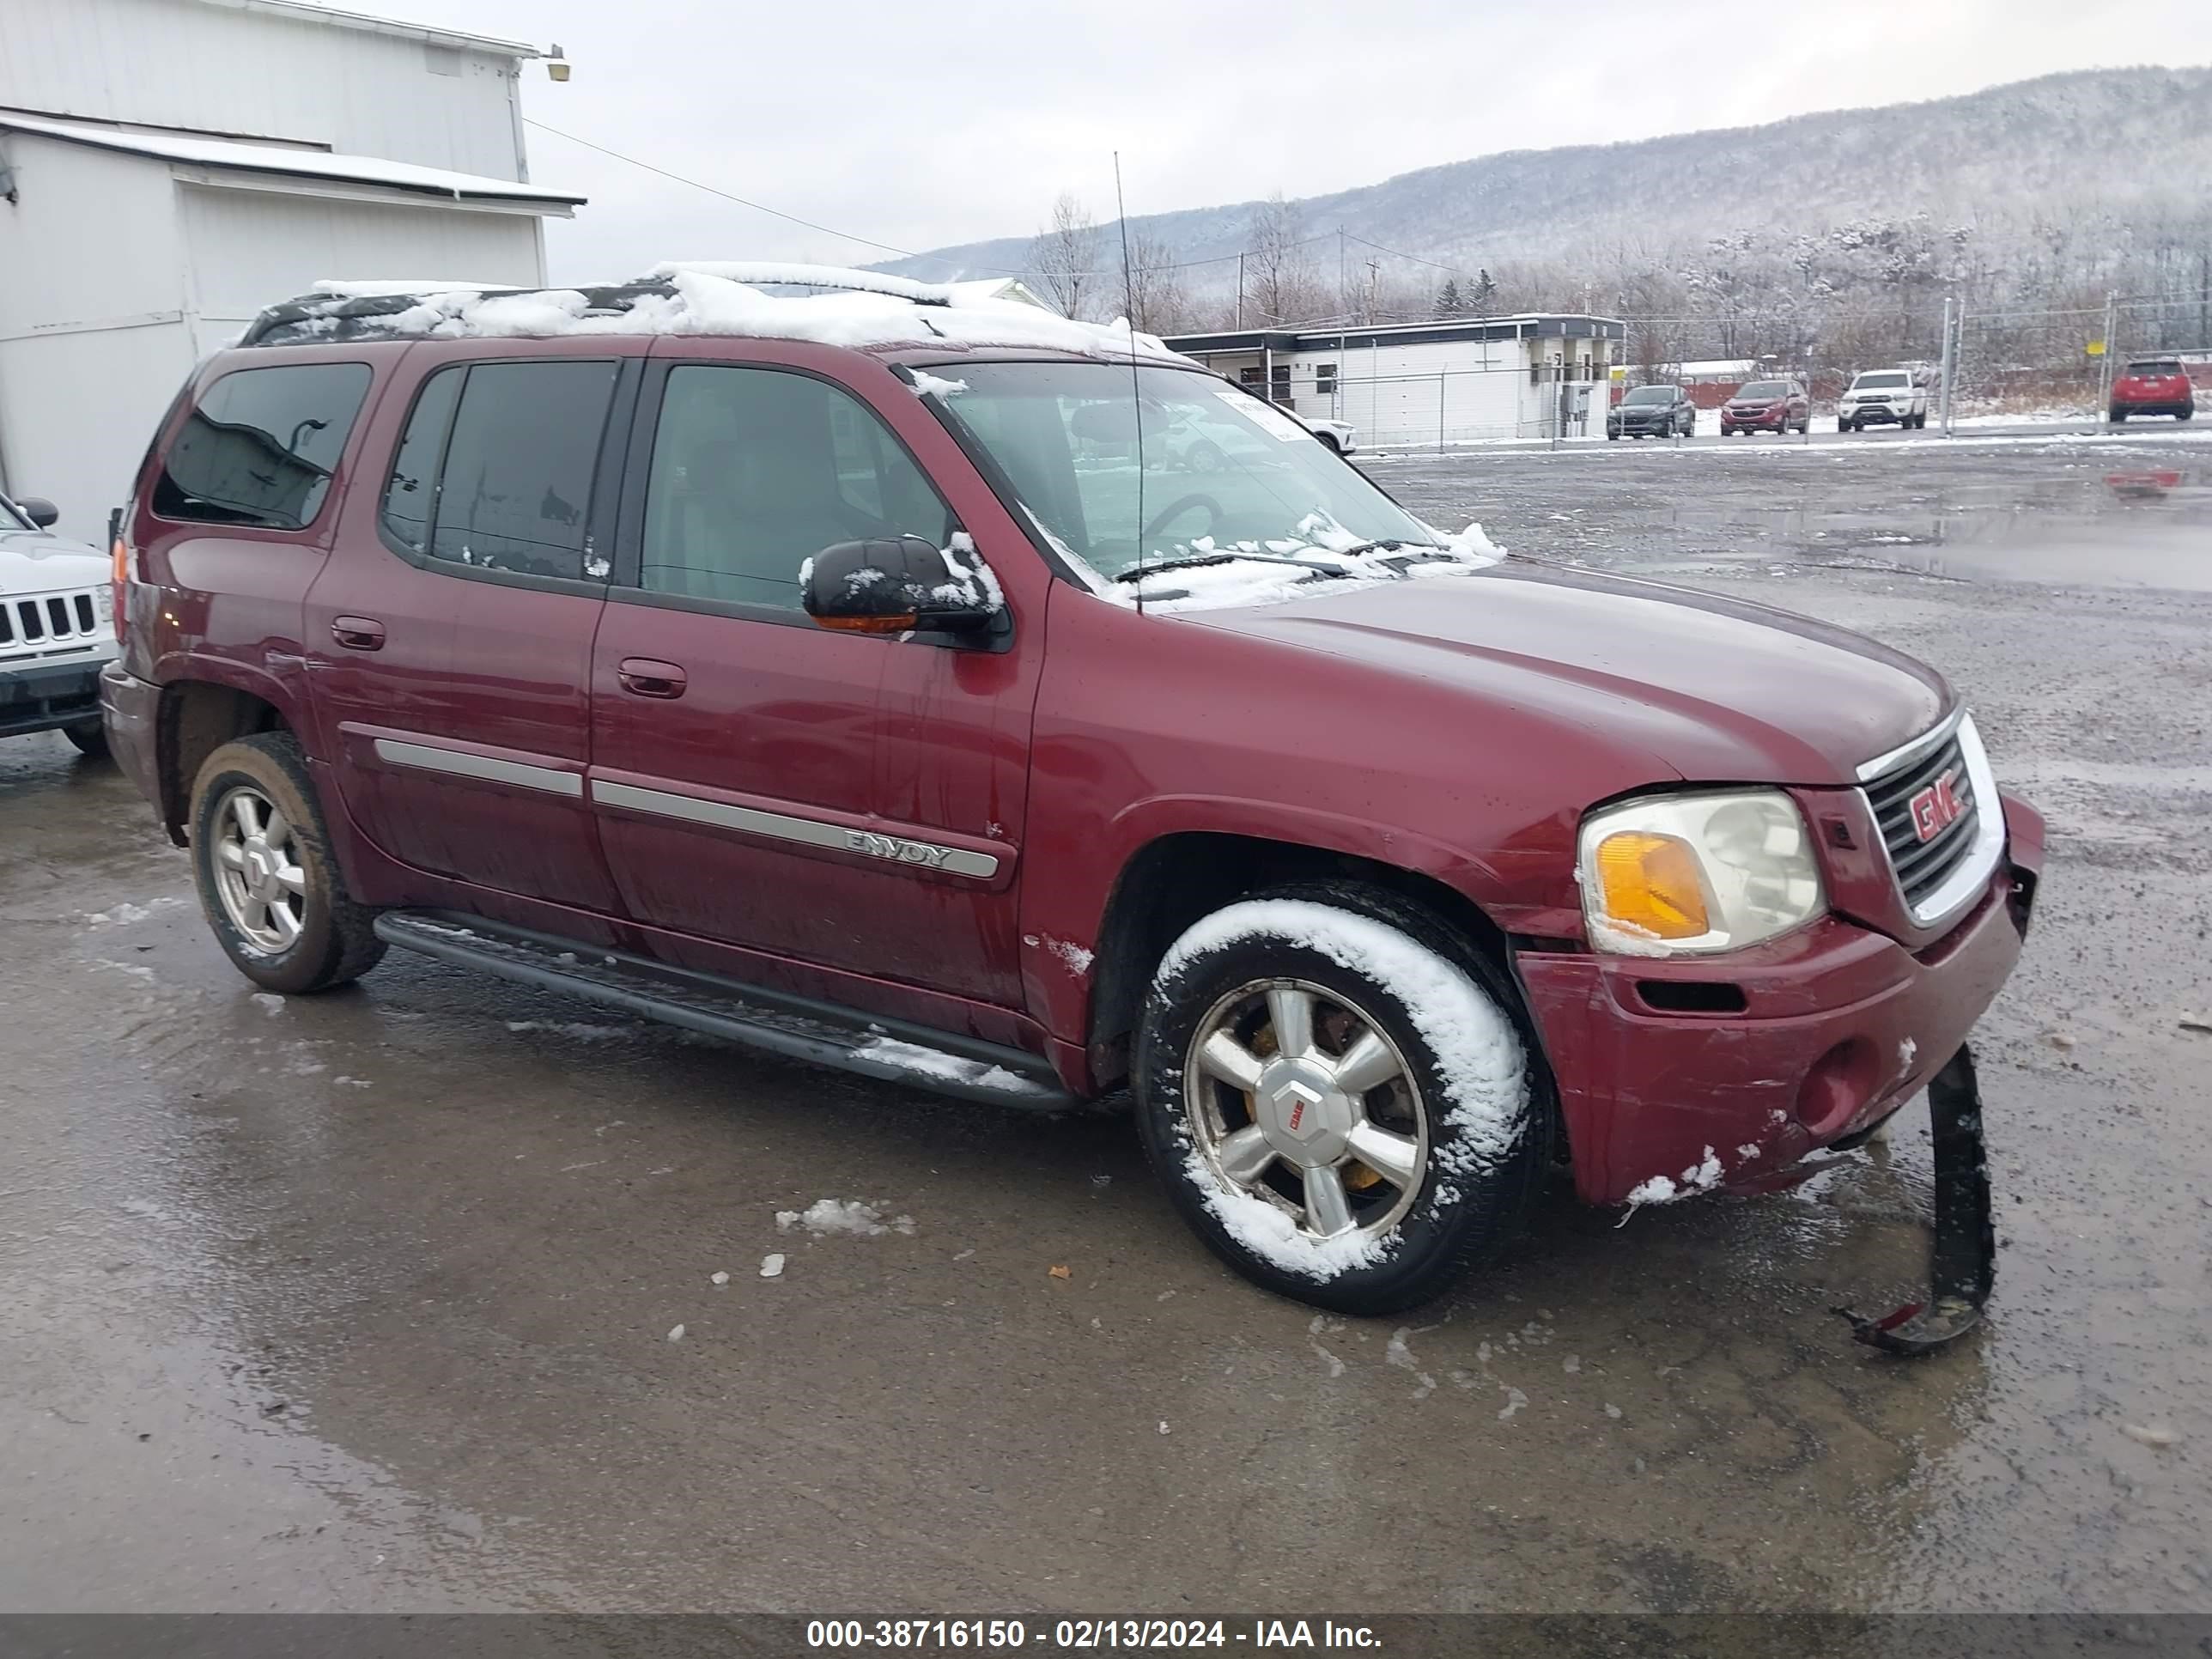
{"type": "Point", "coordinates": [260, 446]}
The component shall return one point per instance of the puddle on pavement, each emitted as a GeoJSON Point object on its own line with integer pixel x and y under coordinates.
{"type": "Point", "coordinates": [2089, 525]}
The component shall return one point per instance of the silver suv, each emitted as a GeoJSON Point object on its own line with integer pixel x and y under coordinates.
{"type": "Point", "coordinates": [56, 628]}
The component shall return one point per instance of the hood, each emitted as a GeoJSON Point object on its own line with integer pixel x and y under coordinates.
{"type": "Point", "coordinates": [37, 561]}
{"type": "Point", "coordinates": [1711, 689]}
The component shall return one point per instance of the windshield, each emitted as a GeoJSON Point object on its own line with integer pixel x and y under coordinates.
{"type": "Point", "coordinates": [1650, 394]}
{"type": "Point", "coordinates": [1222, 471]}
{"type": "Point", "coordinates": [1880, 379]}
{"type": "Point", "coordinates": [1764, 389]}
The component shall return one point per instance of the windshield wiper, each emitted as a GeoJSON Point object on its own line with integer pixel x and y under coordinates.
{"type": "Point", "coordinates": [1138, 572]}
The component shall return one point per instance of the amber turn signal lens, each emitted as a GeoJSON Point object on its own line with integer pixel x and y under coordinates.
{"type": "Point", "coordinates": [1650, 883]}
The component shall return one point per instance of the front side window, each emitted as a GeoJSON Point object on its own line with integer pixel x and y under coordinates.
{"type": "Point", "coordinates": [1203, 469]}
{"type": "Point", "coordinates": [515, 492]}
{"type": "Point", "coordinates": [755, 470]}
{"type": "Point", "coordinates": [259, 446]}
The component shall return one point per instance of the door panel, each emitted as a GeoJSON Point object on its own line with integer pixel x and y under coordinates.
{"type": "Point", "coordinates": [838, 800]}
{"type": "Point", "coordinates": [450, 646]}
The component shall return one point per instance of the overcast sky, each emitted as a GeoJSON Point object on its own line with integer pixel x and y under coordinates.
{"type": "Point", "coordinates": [918, 125]}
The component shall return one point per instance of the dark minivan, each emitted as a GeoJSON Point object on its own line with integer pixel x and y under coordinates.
{"type": "Point", "coordinates": [853, 674]}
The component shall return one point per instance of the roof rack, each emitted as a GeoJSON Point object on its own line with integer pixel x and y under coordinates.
{"type": "Point", "coordinates": [335, 316]}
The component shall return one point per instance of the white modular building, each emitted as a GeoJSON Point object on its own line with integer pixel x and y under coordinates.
{"type": "Point", "coordinates": [167, 168]}
{"type": "Point", "coordinates": [1463, 379]}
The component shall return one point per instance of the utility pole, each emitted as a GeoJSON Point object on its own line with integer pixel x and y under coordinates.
{"type": "Point", "coordinates": [1950, 361]}
{"type": "Point", "coordinates": [2105, 362]}
{"type": "Point", "coordinates": [1240, 290]}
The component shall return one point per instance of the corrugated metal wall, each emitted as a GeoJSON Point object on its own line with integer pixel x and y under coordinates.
{"type": "Point", "coordinates": [249, 247]}
{"type": "Point", "coordinates": [186, 63]}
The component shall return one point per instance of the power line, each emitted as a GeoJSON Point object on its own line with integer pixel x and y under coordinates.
{"type": "Point", "coordinates": [760, 207]}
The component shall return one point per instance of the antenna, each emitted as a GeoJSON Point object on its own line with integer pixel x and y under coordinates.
{"type": "Point", "coordinates": [1136, 385]}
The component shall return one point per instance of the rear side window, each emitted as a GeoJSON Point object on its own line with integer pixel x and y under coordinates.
{"type": "Point", "coordinates": [260, 446]}
{"type": "Point", "coordinates": [495, 470]}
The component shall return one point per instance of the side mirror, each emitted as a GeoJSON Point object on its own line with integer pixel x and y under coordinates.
{"type": "Point", "coordinates": [898, 587]}
{"type": "Point", "coordinates": [40, 511]}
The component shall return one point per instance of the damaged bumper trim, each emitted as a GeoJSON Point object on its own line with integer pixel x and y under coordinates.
{"type": "Point", "coordinates": [1963, 1259]}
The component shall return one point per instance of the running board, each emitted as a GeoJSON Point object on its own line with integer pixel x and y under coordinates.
{"type": "Point", "coordinates": [797, 1028]}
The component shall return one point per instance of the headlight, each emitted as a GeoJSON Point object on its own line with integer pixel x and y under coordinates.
{"type": "Point", "coordinates": [103, 600]}
{"type": "Point", "coordinates": [1682, 874]}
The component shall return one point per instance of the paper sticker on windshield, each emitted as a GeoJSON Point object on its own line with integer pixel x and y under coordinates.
{"type": "Point", "coordinates": [1265, 417]}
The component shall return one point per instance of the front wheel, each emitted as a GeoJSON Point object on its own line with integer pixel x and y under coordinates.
{"type": "Point", "coordinates": [1330, 1087]}
{"type": "Point", "coordinates": [261, 859]}
{"type": "Point", "coordinates": [2118, 416]}
{"type": "Point", "coordinates": [90, 738]}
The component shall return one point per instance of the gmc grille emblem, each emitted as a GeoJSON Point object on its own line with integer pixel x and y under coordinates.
{"type": "Point", "coordinates": [1936, 808]}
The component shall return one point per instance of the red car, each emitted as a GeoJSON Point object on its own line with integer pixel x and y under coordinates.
{"type": "Point", "coordinates": [2153, 385]}
{"type": "Point", "coordinates": [791, 670]}
{"type": "Point", "coordinates": [1776, 406]}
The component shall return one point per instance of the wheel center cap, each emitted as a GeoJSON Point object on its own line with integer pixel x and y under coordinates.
{"type": "Point", "coordinates": [1303, 1116]}
{"type": "Point", "coordinates": [260, 869]}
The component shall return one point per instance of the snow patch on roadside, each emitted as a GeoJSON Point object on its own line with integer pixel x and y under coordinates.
{"type": "Point", "coordinates": [828, 1216]}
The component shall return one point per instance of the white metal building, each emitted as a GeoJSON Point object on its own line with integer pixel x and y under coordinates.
{"type": "Point", "coordinates": [169, 167]}
{"type": "Point", "coordinates": [1459, 380]}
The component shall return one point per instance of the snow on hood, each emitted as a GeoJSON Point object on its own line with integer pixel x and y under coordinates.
{"type": "Point", "coordinates": [723, 300]}
{"type": "Point", "coordinates": [1261, 579]}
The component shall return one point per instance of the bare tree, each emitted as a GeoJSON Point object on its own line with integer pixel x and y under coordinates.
{"type": "Point", "coordinates": [1278, 280]}
{"type": "Point", "coordinates": [1154, 297]}
{"type": "Point", "coordinates": [1064, 259]}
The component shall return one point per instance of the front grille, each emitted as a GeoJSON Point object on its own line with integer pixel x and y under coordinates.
{"type": "Point", "coordinates": [48, 619]}
{"type": "Point", "coordinates": [1921, 866]}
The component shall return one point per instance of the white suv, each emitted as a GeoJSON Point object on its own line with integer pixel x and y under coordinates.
{"type": "Point", "coordinates": [56, 628]}
{"type": "Point", "coordinates": [1882, 395]}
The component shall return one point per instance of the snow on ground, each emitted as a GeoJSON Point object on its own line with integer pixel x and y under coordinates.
{"type": "Point", "coordinates": [827, 1217]}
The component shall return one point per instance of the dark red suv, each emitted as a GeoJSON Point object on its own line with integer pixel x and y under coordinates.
{"type": "Point", "coordinates": [1778, 406]}
{"type": "Point", "coordinates": [859, 675]}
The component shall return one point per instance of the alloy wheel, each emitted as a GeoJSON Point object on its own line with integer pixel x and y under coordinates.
{"type": "Point", "coordinates": [259, 877]}
{"type": "Point", "coordinates": [1298, 1096]}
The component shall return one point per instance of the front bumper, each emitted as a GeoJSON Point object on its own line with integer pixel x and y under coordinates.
{"type": "Point", "coordinates": [1875, 414]}
{"type": "Point", "coordinates": [40, 696]}
{"type": "Point", "coordinates": [1741, 419]}
{"type": "Point", "coordinates": [1811, 1038]}
{"type": "Point", "coordinates": [127, 706]}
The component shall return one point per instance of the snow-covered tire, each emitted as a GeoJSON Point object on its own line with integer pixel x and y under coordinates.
{"type": "Point", "coordinates": [327, 939]}
{"type": "Point", "coordinates": [1460, 1109]}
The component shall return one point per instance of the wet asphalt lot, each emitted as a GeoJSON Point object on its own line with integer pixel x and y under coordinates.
{"type": "Point", "coordinates": [365, 1302]}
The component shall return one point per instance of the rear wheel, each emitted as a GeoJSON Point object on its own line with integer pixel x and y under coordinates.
{"type": "Point", "coordinates": [90, 738]}
{"type": "Point", "coordinates": [272, 893]}
{"type": "Point", "coordinates": [2183, 414]}
{"type": "Point", "coordinates": [2117, 415]}
{"type": "Point", "coordinates": [1332, 1090]}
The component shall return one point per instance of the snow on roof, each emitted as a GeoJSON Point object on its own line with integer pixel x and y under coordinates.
{"type": "Point", "coordinates": [297, 163]}
{"type": "Point", "coordinates": [1722, 368]}
{"type": "Point", "coordinates": [862, 308]}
